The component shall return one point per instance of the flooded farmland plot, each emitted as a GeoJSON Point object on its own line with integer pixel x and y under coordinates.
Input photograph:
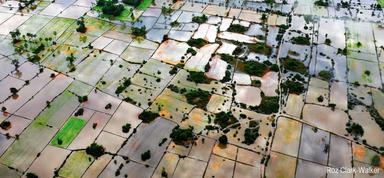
{"type": "Point", "coordinates": [192, 88]}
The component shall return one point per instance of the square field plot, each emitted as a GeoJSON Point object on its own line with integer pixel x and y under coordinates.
{"type": "Point", "coordinates": [314, 145]}
{"type": "Point", "coordinates": [364, 72]}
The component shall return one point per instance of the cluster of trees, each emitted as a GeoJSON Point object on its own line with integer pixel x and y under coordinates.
{"type": "Point", "coordinates": [237, 28]}
{"type": "Point", "coordinates": [251, 133]}
{"type": "Point", "coordinates": [292, 86]}
{"type": "Point", "coordinates": [355, 129]}
{"type": "Point", "coordinates": [182, 136]}
{"type": "Point", "coordinates": [261, 48]}
{"type": "Point", "coordinates": [301, 40]}
{"type": "Point", "coordinates": [95, 150]}
{"type": "Point", "coordinates": [110, 7]}
{"type": "Point", "coordinates": [294, 65]}
{"type": "Point", "coordinates": [125, 82]}
{"type": "Point", "coordinates": [268, 105]}
{"type": "Point", "coordinates": [197, 77]}
{"type": "Point", "coordinates": [255, 68]}
{"type": "Point", "coordinates": [30, 44]}
{"type": "Point", "coordinates": [224, 119]}
{"type": "Point", "coordinates": [198, 97]}
{"type": "Point", "coordinates": [148, 116]}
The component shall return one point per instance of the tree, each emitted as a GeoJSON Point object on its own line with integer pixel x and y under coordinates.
{"type": "Point", "coordinates": [5, 125]}
{"type": "Point", "coordinates": [375, 161]}
{"type": "Point", "coordinates": [95, 150]}
{"type": "Point", "coordinates": [81, 25]}
{"type": "Point", "coordinates": [125, 128]}
{"type": "Point", "coordinates": [355, 129]}
{"type": "Point", "coordinates": [31, 175]}
{"type": "Point", "coordinates": [223, 140]}
{"type": "Point", "coordinates": [146, 155]}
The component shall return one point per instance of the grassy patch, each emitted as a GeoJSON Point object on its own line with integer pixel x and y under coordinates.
{"type": "Point", "coordinates": [68, 132]}
{"type": "Point", "coordinates": [381, 2]}
{"type": "Point", "coordinates": [76, 164]}
{"type": "Point", "coordinates": [144, 4]}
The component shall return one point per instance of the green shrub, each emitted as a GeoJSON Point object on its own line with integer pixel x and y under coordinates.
{"type": "Point", "coordinates": [200, 19]}
{"type": "Point", "coordinates": [301, 40]}
{"type": "Point", "coordinates": [175, 24]}
{"type": "Point", "coordinates": [31, 175]}
{"type": "Point", "coordinates": [323, 3]}
{"type": "Point", "coordinates": [139, 31]}
{"type": "Point", "coordinates": [81, 26]}
{"type": "Point", "coordinates": [123, 85]}
{"type": "Point", "coordinates": [260, 48]}
{"type": "Point", "coordinates": [173, 71]}
{"type": "Point", "coordinates": [227, 77]}
{"type": "Point", "coordinates": [198, 43]}
{"type": "Point", "coordinates": [256, 83]}
{"type": "Point", "coordinates": [325, 74]}
{"type": "Point", "coordinates": [166, 10]}
{"type": "Point", "coordinates": [375, 161]}
{"type": "Point", "coordinates": [237, 28]}
{"type": "Point", "coordinates": [294, 65]}
{"type": "Point", "coordinates": [133, 3]}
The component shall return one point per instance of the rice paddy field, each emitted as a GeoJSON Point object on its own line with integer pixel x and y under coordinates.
{"type": "Point", "coordinates": [202, 88]}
